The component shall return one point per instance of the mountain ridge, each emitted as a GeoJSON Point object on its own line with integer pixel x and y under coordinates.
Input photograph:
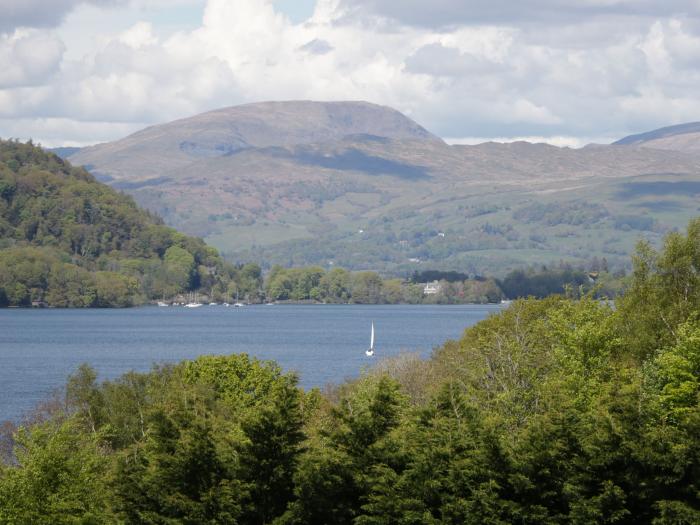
{"type": "Point", "coordinates": [227, 131]}
{"type": "Point", "coordinates": [294, 182]}
{"type": "Point", "coordinates": [666, 131]}
{"type": "Point", "coordinates": [680, 137]}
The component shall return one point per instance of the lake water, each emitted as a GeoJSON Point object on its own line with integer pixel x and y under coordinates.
{"type": "Point", "coordinates": [323, 343]}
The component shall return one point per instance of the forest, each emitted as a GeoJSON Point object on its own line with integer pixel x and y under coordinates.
{"type": "Point", "coordinates": [313, 283]}
{"type": "Point", "coordinates": [554, 411]}
{"type": "Point", "coordinates": [67, 240]}
{"type": "Point", "coordinates": [338, 285]}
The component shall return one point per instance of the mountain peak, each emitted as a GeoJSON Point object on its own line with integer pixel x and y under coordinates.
{"type": "Point", "coordinates": [226, 131]}
{"type": "Point", "coordinates": [287, 123]}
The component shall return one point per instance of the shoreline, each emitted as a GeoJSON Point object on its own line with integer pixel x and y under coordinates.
{"type": "Point", "coordinates": [279, 303]}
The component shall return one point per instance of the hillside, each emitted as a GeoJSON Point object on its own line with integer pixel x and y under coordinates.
{"type": "Point", "coordinates": [682, 137]}
{"type": "Point", "coordinates": [221, 133]}
{"type": "Point", "coordinates": [361, 186]}
{"type": "Point", "coordinates": [68, 240]}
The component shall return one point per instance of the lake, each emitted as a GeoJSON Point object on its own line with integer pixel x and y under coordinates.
{"type": "Point", "coordinates": [325, 344]}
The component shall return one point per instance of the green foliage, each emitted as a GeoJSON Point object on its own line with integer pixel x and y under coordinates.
{"type": "Point", "coordinates": [521, 283]}
{"type": "Point", "coordinates": [60, 478]}
{"type": "Point", "coordinates": [69, 241]}
{"type": "Point", "coordinates": [340, 286]}
{"type": "Point", "coordinates": [179, 267]}
{"type": "Point", "coordinates": [236, 380]}
{"type": "Point", "coordinates": [176, 476]}
{"type": "Point", "coordinates": [552, 214]}
{"type": "Point", "coordinates": [296, 284]}
{"type": "Point", "coordinates": [665, 290]}
{"type": "Point", "coordinates": [270, 454]}
{"type": "Point", "coordinates": [566, 410]}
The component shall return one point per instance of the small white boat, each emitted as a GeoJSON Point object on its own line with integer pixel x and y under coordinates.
{"type": "Point", "coordinates": [194, 303]}
{"type": "Point", "coordinates": [161, 303]}
{"type": "Point", "coordinates": [226, 305]}
{"type": "Point", "coordinates": [213, 304]}
{"type": "Point", "coordinates": [370, 352]}
{"type": "Point", "coordinates": [239, 305]}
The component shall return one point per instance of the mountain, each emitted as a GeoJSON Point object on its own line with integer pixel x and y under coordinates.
{"type": "Point", "coordinates": [225, 132]}
{"type": "Point", "coordinates": [68, 240]}
{"type": "Point", "coordinates": [682, 137]}
{"type": "Point", "coordinates": [360, 185]}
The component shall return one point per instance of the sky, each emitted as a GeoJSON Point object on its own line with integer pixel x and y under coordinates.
{"type": "Point", "coordinates": [79, 72]}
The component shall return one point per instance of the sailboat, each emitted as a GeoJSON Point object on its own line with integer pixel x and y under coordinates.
{"type": "Point", "coordinates": [370, 352]}
{"type": "Point", "coordinates": [193, 303]}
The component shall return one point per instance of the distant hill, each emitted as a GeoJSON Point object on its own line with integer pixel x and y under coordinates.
{"type": "Point", "coordinates": [64, 152]}
{"type": "Point", "coordinates": [363, 186]}
{"type": "Point", "coordinates": [68, 240]}
{"type": "Point", "coordinates": [225, 132]}
{"type": "Point", "coordinates": [682, 137]}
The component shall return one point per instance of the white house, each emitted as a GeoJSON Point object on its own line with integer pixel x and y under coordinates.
{"type": "Point", "coordinates": [431, 288]}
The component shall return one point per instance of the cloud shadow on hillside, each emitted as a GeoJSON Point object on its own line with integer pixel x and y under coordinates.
{"type": "Point", "coordinates": [356, 160]}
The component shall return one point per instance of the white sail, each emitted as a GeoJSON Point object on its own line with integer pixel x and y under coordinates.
{"type": "Point", "coordinates": [370, 352]}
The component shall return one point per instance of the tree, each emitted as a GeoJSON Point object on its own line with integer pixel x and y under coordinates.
{"type": "Point", "coordinates": [177, 476]}
{"type": "Point", "coordinates": [269, 457]}
{"type": "Point", "coordinates": [367, 288]}
{"type": "Point", "coordinates": [335, 286]}
{"type": "Point", "coordinates": [60, 478]}
{"type": "Point", "coordinates": [331, 483]}
{"type": "Point", "coordinates": [664, 290]}
{"type": "Point", "coordinates": [84, 397]}
{"type": "Point", "coordinates": [179, 266]}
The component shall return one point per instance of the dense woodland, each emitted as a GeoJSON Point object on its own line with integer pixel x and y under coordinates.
{"type": "Point", "coordinates": [67, 240]}
{"type": "Point", "coordinates": [338, 285]}
{"type": "Point", "coordinates": [313, 283]}
{"type": "Point", "coordinates": [554, 411]}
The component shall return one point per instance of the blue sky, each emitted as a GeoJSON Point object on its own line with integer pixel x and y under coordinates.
{"type": "Point", "coordinates": [296, 10]}
{"type": "Point", "coordinates": [189, 15]}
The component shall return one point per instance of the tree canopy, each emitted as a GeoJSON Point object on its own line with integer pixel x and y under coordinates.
{"type": "Point", "coordinates": [68, 240]}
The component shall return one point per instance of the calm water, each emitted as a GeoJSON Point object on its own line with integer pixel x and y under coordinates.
{"type": "Point", "coordinates": [323, 343]}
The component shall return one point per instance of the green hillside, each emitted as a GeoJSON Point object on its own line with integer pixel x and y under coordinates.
{"type": "Point", "coordinates": [68, 240]}
{"type": "Point", "coordinates": [488, 232]}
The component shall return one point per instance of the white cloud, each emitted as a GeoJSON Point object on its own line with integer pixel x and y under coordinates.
{"type": "Point", "coordinates": [28, 58]}
{"type": "Point", "coordinates": [65, 132]}
{"type": "Point", "coordinates": [555, 140]}
{"type": "Point", "coordinates": [605, 67]}
{"type": "Point", "coordinates": [139, 36]}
